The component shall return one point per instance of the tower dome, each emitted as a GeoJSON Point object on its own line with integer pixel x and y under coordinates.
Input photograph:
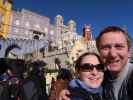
{"type": "Point", "coordinates": [71, 25]}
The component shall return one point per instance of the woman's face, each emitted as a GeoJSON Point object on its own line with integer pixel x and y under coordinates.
{"type": "Point", "coordinates": [92, 78]}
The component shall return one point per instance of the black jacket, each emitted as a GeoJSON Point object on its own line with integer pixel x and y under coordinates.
{"type": "Point", "coordinates": [82, 94]}
{"type": "Point", "coordinates": [126, 88]}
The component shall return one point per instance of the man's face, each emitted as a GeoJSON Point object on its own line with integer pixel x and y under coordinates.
{"type": "Point", "coordinates": [114, 51]}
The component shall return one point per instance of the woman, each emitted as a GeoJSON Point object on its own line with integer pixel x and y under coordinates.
{"type": "Point", "coordinates": [90, 74]}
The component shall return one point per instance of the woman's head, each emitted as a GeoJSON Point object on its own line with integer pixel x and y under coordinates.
{"type": "Point", "coordinates": [90, 69]}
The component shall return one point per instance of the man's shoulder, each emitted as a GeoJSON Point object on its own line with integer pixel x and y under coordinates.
{"type": "Point", "coordinates": [130, 70]}
{"type": "Point", "coordinates": [130, 66]}
{"type": "Point", "coordinates": [130, 74]}
{"type": "Point", "coordinates": [130, 82]}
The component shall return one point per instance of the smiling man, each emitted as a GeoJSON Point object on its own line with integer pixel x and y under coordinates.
{"type": "Point", "coordinates": [114, 45]}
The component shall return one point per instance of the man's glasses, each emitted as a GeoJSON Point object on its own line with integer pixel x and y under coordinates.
{"type": "Point", "coordinates": [90, 67]}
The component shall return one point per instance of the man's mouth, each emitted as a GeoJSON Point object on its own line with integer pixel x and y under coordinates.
{"type": "Point", "coordinates": [113, 62]}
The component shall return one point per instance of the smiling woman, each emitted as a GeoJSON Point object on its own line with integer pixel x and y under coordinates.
{"type": "Point", "coordinates": [90, 73]}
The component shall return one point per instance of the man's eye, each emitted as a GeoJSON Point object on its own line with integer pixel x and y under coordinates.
{"type": "Point", "coordinates": [119, 46]}
{"type": "Point", "coordinates": [104, 47]}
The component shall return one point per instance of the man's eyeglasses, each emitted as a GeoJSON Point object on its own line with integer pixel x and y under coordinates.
{"type": "Point", "coordinates": [90, 67]}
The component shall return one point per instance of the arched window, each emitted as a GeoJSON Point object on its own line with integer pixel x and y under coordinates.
{"type": "Point", "coordinates": [36, 37]}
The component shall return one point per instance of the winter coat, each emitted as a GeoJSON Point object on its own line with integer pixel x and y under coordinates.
{"type": "Point", "coordinates": [126, 88]}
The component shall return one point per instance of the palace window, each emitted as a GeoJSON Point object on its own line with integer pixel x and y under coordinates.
{"type": "Point", "coordinates": [46, 30]}
{"type": "Point", "coordinates": [17, 22]}
{"type": "Point", "coordinates": [15, 30]}
{"type": "Point", "coordinates": [27, 24]}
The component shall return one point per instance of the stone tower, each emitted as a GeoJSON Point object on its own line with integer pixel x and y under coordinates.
{"type": "Point", "coordinates": [72, 26]}
{"type": "Point", "coordinates": [87, 33]}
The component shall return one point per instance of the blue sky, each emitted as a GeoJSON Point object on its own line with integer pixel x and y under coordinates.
{"type": "Point", "coordinates": [98, 13]}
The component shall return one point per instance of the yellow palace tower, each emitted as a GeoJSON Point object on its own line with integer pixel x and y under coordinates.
{"type": "Point", "coordinates": [5, 14]}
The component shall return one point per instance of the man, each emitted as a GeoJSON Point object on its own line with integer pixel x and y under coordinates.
{"type": "Point", "coordinates": [114, 46]}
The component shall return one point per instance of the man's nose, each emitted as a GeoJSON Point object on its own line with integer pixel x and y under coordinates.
{"type": "Point", "coordinates": [112, 52]}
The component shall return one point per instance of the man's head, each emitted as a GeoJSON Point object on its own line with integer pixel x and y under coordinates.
{"type": "Point", "coordinates": [114, 44]}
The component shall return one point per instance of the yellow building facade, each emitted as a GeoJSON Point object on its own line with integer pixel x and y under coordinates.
{"type": "Point", "coordinates": [5, 15]}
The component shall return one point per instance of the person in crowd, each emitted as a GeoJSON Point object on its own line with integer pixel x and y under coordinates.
{"type": "Point", "coordinates": [114, 46]}
{"type": "Point", "coordinates": [90, 74]}
{"type": "Point", "coordinates": [37, 82]}
{"type": "Point", "coordinates": [16, 87]}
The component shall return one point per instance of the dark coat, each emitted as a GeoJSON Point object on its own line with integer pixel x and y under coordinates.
{"type": "Point", "coordinates": [126, 88]}
{"type": "Point", "coordinates": [82, 94]}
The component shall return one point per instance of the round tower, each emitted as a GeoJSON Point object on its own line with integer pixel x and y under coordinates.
{"type": "Point", "coordinates": [59, 20]}
{"type": "Point", "coordinates": [72, 25]}
{"type": "Point", "coordinates": [87, 33]}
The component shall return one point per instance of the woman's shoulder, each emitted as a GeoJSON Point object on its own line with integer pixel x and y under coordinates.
{"type": "Point", "coordinates": [81, 94]}
{"type": "Point", "coordinates": [78, 92]}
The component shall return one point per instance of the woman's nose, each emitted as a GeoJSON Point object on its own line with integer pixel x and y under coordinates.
{"type": "Point", "coordinates": [94, 71]}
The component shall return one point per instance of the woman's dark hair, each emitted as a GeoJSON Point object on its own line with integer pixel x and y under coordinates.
{"type": "Point", "coordinates": [79, 60]}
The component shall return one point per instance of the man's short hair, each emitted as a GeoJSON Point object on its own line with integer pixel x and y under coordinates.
{"type": "Point", "coordinates": [114, 29]}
